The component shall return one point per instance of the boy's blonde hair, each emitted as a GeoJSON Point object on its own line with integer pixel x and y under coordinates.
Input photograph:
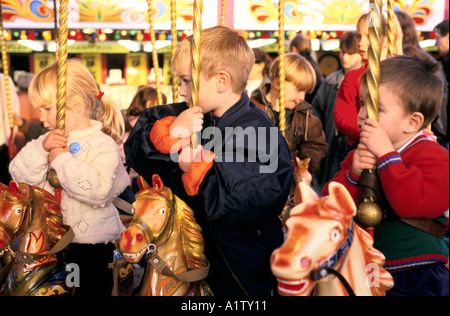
{"type": "Point", "coordinates": [298, 71]}
{"type": "Point", "coordinates": [80, 83]}
{"type": "Point", "coordinates": [222, 49]}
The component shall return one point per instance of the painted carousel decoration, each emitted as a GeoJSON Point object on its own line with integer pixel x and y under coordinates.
{"type": "Point", "coordinates": [34, 215]}
{"type": "Point", "coordinates": [115, 14]}
{"type": "Point", "coordinates": [164, 230]}
{"type": "Point", "coordinates": [329, 14]}
{"type": "Point", "coordinates": [325, 252]}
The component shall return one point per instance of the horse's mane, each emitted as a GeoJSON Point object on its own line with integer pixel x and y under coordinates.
{"type": "Point", "coordinates": [45, 203]}
{"type": "Point", "coordinates": [374, 256]}
{"type": "Point", "coordinates": [192, 237]}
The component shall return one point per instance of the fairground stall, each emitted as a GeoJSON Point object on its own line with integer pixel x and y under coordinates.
{"type": "Point", "coordinates": [112, 37]}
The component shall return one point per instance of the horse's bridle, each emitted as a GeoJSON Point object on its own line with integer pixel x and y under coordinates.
{"type": "Point", "coordinates": [328, 265]}
{"type": "Point", "coordinates": [150, 235]}
{"type": "Point", "coordinates": [156, 261]}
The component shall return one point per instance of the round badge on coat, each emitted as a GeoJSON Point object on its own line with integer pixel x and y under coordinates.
{"type": "Point", "coordinates": [75, 148]}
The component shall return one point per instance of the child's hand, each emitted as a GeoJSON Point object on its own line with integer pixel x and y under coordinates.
{"type": "Point", "coordinates": [55, 139]}
{"type": "Point", "coordinates": [189, 155]}
{"type": "Point", "coordinates": [363, 159]}
{"type": "Point", "coordinates": [56, 152]}
{"type": "Point", "coordinates": [190, 121]}
{"type": "Point", "coordinates": [375, 138]}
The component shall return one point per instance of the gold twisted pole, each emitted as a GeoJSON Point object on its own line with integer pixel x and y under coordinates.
{"type": "Point", "coordinates": [6, 72]}
{"type": "Point", "coordinates": [282, 50]}
{"type": "Point", "coordinates": [369, 212]}
{"type": "Point", "coordinates": [391, 28]}
{"type": "Point", "coordinates": [52, 177]}
{"type": "Point", "coordinates": [223, 13]}
{"type": "Point", "coordinates": [154, 51]}
{"type": "Point", "coordinates": [373, 73]}
{"type": "Point", "coordinates": [196, 53]}
{"type": "Point", "coordinates": [62, 64]}
{"type": "Point", "coordinates": [55, 30]}
{"type": "Point", "coordinates": [173, 31]}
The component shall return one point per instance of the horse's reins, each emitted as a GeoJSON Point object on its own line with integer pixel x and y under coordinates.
{"type": "Point", "coordinates": [161, 267]}
{"type": "Point", "coordinates": [327, 267]}
{"type": "Point", "coordinates": [152, 256]}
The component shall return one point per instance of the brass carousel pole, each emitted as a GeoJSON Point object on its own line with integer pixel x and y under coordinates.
{"type": "Point", "coordinates": [282, 51]}
{"type": "Point", "coordinates": [154, 51]}
{"type": "Point", "coordinates": [12, 151]}
{"type": "Point", "coordinates": [173, 31]}
{"type": "Point", "coordinates": [55, 30]}
{"type": "Point", "coordinates": [369, 212]}
{"type": "Point", "coordinates": [223, 13]}
{"type": "Point", "coordinates": [196, 51]}
{"type": "Point", "coordinates": [62, 85]}
{"type": "Point", "coordinates": [391, 28]}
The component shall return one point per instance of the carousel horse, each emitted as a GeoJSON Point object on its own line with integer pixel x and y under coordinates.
{"type": "Point", "coordinates": [34, 215]}
{"type": "Point", "coordinates": [165, 231]}
{"type": "Point", "coordinates": [326, 252]}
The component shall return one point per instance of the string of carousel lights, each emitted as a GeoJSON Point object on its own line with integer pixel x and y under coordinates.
{"type": "Point", "coordinates": [92, 35]}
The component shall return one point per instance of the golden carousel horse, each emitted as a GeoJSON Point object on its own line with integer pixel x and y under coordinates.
{"type": "Point", "coordinates": [165, 231]}
{"type": "Point", "coordinates": [324, 249]}
{"type": "Point", "coordinates": [34, 215]}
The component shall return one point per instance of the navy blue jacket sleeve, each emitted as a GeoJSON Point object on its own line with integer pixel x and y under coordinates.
{"type": "Point", "coordinates": [144, 158]}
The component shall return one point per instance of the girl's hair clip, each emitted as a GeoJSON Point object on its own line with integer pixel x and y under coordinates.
{"type": "Point", "coordinates": [100, 95]}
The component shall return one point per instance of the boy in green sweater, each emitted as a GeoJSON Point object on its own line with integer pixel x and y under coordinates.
{"type": "Point", "coordinates": [414, 174]}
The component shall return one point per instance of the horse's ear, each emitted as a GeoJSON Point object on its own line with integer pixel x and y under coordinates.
{"type": "Point", "coordinates": [14, 188]}
{"type": "Point", "coordinates": [304, 193]}
{"type": "Point", "coordinates": [340, 195]}
{"type": "Point", "coordinates": [157, 182]}
{"type": "Point", "coordinates": [142, 184]}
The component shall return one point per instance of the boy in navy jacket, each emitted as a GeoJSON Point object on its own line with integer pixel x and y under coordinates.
{"type": "Point", "coordinates": [238, 180]}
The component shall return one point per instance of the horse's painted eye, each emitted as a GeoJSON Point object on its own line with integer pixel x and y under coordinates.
{"type": "Point", "coordinates": [18, 211]}
{"type": "Point", "coordinates": [335, 235]}
{"type": "Point", "coordinates": [162, 211]}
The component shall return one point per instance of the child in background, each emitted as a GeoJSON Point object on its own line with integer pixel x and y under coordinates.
{"type": "Point", "coordinates": [87, 161]}
{"type": "Point", "coordinates": [260, 71]}
{"type": "Point", "coordinates": [301, 44]}
{"type": "Point", "coordinates": [323, 107]}
{"type": "Point", "coordinates": [303, 130]}
{"type": "Point", "coordinates": [347, 103]}
{"type": "Point", "coordinates": [236, 197]}
{"type": "Point", "coordinates": [146, 97]}
{"type": "Point", "coordinates": [414, 175]}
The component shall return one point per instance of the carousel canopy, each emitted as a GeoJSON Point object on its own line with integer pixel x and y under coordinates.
{"type": "Point", "coordinates": [256, 15]}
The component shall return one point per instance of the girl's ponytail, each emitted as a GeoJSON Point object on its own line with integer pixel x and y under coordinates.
{"type": "Point", "coordinates": [107, 112]}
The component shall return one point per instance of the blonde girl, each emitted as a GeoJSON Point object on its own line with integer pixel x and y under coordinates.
{"type": "Point", "coordinates": [87, 161]}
